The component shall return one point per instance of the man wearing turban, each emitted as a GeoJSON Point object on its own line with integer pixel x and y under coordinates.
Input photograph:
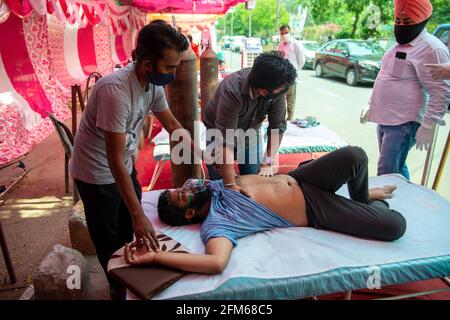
{"type": "Point", "coordinates": [406, 102]}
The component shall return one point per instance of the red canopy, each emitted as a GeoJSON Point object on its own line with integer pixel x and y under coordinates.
{"type": "Point", "coordinates": [186, 6]}
{"type": "Point", "coordinates": [94, 10]}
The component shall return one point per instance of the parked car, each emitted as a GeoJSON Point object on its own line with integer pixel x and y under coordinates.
{"type": "Point", "coordinates": [356, 61]}
{"type": "Point", "coordinates": [442, 33]}
{"type": "Point", "coordinates": [309, 52]}
{"type": "Point", "coordinates": [226, 42]}
{"type": "Point", "coordinates": [238, 43]}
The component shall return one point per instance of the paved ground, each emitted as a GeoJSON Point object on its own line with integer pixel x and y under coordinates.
{"type": "Point", "coordinates": [34, 216]}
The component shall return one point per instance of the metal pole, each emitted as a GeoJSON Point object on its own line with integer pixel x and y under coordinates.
{"type": "Point", "coordinates": [14, 183]}
{"type": "Point", "coordinates": [232, 40]}
{"type": "Point", "coordinates": [412, 295]}
{"type": "Point", "coordinates": [174, 21]}
{"type": "Point", "coordinates": [429, 159]}
{"type": "Point", "coordinates": [232, 21]}
{"type": "Point", "coordinates": [7, 257]}
{"type": "Point", "coordinates": [80, 98]}
{"type": "Point", "coordinates": [249, 24]}
{"type": "Point", "coordinates": [442, 162]}
{"type": "Point", "coordinates": [74, 110]}
{"type": "Point", "coordinates": [278, 16]}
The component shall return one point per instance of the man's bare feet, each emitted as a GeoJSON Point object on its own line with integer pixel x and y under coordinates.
{"type": "Point", "coordinates": [382, 193]}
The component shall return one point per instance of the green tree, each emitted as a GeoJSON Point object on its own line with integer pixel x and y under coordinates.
{"type": "Point", "coordinates": [441, 14]}
{"type": "Point", "coordinates": [263, 19]}
{"type": "Point", "coordinates": [351, 16]}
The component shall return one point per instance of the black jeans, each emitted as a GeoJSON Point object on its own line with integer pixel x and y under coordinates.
{"type": "Point", "coordinates": [108, 219]}
{"type": "Point", "coordinates": [319, 180]}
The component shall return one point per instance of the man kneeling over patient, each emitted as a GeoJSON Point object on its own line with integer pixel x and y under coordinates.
{"type": "Point", "coordinates": [303, 198]}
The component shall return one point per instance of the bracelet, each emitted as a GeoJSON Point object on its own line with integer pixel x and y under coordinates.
{"type": "Point", "coordinates": [268, 161]}
{"type": "Point", "coordinates": [230, 184]}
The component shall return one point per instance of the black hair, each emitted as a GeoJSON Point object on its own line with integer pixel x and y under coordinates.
{"type": "Point", "coordinates": [171, 214]}
{"type": "Point", "coordinates": [285, 26]}
{"type": "Point", "coordinates": [271, 71]}
{"type": "Point", "coordinates": [157, 36]}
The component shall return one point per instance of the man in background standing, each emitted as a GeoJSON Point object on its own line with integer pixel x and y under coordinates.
{"type": "Point", "coordinates": [406, 102]}
{"type": "Point", "coordinates": [292, 51]}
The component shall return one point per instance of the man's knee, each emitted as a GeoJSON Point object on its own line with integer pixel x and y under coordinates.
{"type": "Point", "coordinates": [395, 226]}
{"type": "Point", "coordinates": [355, 155]}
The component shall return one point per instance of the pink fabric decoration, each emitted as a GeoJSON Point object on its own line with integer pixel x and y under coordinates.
{"type": "Point", "coordinates": [120, 50]}
{"type": "Point", "coordinates": [86, 49]}
{"type": "Point", "coordinates": [20, 8]}
{"type": "Point", "coordinates": [19, 68]}
{"type": "Point", "coordinates": [90, 14]}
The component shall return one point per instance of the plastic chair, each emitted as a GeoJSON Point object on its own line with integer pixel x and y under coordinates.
{"type": "Point", "coordinates": [66, 138]}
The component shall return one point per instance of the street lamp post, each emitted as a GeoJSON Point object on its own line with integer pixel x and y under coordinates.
{"type": "Point", "coordinates": [250, 24]}
{"type": "Point", "coordinates": [278, 16]}
{"type": "Point", "coordinates": [232, 30]}
{"type": "Point", "coordinates": [250, 5]}
{"type": "Point", "coordinates": [232, 20]}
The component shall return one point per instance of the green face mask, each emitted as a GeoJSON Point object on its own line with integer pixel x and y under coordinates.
{"type": "Point", "coordinates": [190, 197]}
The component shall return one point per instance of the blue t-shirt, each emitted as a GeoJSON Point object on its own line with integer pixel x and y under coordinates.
{"type": "Point", "coordinates": [233, 215]}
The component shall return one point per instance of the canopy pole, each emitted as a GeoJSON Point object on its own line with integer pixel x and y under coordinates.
{"type": "Point", "coordinates": [278, 16]}
{"type": "Point", "coordinates": [174, 21]}
{"type": "Point", "coordinates": [441, 166]}
{"type": "Point", "coordinates": [250, 24]}
{"type": "Point", "coordinates": [429, 159]}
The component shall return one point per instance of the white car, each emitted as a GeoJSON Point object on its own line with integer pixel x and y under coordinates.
{"type": "Point", "coordinates": [238, 43]}
{"type": "Point", "coordinates": [309, 49]}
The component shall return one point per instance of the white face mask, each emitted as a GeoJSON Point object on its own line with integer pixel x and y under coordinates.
{"type": "Point", "coordinates": [286, 37]}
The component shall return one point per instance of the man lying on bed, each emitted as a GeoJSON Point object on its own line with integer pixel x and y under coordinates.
{"type": "Point", "coordinates": [303, 198]}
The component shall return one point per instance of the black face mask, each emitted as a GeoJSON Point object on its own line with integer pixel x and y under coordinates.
{"type": "Point", "coordinates": [406, 34]}
{"type": "Point", "coordinates": [272, 96]}
{"type": "Point", "coordinates": [200, 199]}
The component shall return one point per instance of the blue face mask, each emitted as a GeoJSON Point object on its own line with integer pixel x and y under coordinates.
{"type": "Point", "coordinates": [160, 79]}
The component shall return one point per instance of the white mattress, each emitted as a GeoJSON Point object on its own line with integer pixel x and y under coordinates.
{"type": "Point", "coordinates": [296, 252]}
{"type": "Point", "coordinates": [295, 140]}
{"type": "Point", "coordinates": [314, 139]}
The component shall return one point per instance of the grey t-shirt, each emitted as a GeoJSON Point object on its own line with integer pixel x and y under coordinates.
{"type": "Point", "coordinates": [119, 104]}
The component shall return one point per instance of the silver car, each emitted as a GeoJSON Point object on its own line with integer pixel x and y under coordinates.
{"type": "Point", "coordinates": [309, 49]}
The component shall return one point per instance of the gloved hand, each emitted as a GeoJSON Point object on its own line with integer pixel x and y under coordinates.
{"type": "Point", "coordinates": [364, 112]}
{"type": "Point", "coordinates": [266, 170]}
{"type": "Point", "coordinates": [439, 71]}
{"type": "Point", "coordinates": [424, 136]}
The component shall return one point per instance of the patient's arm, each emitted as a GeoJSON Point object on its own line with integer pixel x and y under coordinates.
{"type": "Point", "coordinates": [214, 260]}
